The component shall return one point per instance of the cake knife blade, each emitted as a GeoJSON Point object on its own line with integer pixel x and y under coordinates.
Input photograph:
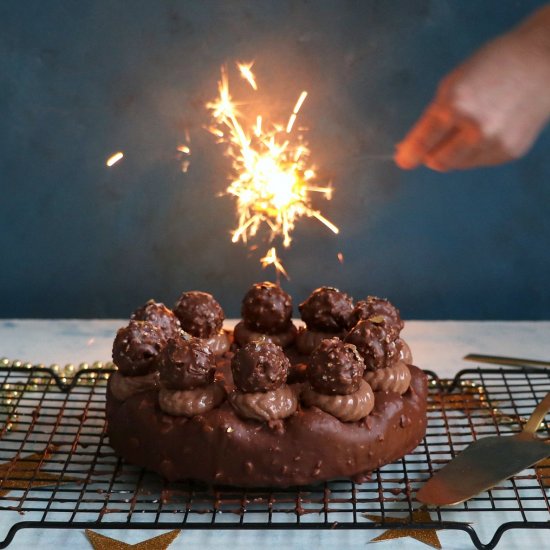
{"type": "Point", "coordinates": [486, 462]}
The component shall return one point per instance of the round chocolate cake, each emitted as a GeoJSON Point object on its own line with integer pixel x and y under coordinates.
{"type": "Point", "coordinates": [272, 404]}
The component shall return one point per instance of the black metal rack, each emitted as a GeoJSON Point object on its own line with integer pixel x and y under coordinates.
{"type": "Point", "coordinates": [58, 471]}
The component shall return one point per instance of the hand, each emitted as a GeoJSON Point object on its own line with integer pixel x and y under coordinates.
{"type": "Point", "coordinates": [490, 109]}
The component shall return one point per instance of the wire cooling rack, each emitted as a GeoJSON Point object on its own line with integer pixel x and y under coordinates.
{"type": "Point", "coordinates": [58, 471]}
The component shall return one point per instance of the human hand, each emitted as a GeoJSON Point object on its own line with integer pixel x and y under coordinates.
{"type": "Point", "coordinates": [487, 111]}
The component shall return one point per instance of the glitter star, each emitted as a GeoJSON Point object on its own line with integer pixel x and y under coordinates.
{"type": "Point", "coordinates": [101, 542]}
{"type": "Point", "coordinates": [24, 473]}
{"type": "Point", "coordinates": [427, 536]}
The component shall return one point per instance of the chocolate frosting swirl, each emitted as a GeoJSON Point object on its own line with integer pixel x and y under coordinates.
{"type": "Point", "coordinates": [265, 406]}
{"type": "Point", "coordinates": [374, 344]}
{"type": "Point", "coordinates": [136, 347]}
{"type": "Point", "coordinates": [243, 335]}
{"type": "Point", "coordinates": [374, 307]}
{"type": "Point", "coordinates": [335, 368]}
{"type": "Point", "coordinates": [192, 402]}
{"type": "Point", "coordinates": [160, 316]}
{"type": "Point", "coordinates": [326, 309]}
{"type": "Point", "coordinates": [347, 408]}
{"type": "Point", "coordinates": [307, 340]}
{"type": "Point", "coordinates": [185, 364]}
{"type": "Point", "coordinates": [199, 313]}
{"type": "Point", "coordinates": [124, 387]}
{"type": "Point", "coordinates": [266, 308]}
{"type": "Point", "coordinates": [396, 378]}
{"type": "Point", "coordinates": [259, 367]}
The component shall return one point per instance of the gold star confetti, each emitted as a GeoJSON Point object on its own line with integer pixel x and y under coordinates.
{"type": "Point", "coordinates": [24, 473]}
{"type": "Point", "coordinates": [427, 536]}
{"type": "Point", "coordinates": [469, 397]}
{"type": "Point", "coordinates": [101, 542]}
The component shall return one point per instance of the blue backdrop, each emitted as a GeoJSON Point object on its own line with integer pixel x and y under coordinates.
{"type": "Point", "coordinates": [81, 80]}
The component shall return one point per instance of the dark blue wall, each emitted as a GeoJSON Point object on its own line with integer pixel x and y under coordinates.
{"type": "Point", "coordinates": [80, 80]}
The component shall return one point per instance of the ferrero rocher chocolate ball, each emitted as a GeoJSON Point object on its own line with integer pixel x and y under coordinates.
{"type": "Point", "coordinates": [160, 316]}
{"type": "Point", "coordinates": [335, 368]}
{"type": "Point", "coordinates": [185, 364]}
{"type": "Point", "coordinates": [136, 348]}
{"type": "Point", "coordinates": [327, 310]}
{"type": "Point", "coordinates": [377, 347]}
{"type": "Point", "coordinates": [374, 307]}
{"type": "Point", "coordinates": [259, 367]}
{"type": "Point", "coordinates": [266, 308]}
{"type": "Point", "coordinates": [199, 314]}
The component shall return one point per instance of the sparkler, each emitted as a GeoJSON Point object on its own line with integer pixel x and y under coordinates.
{"type": "Point", "coordinates": [272, 178]}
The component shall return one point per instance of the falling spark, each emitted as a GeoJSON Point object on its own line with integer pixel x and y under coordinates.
{"type": "Point", "coordinates": [185, 166]}
{"type": "Point", "coordinates": [185, 149]}
{"type": "Point", "coordinates": [114, 159]}
{"type": "Point", "coordinates": [247, 74]}
{"type": "Point", "coordinates": [272, 178]}
{"type": "Point", "coordinates": [294, 114]}
{"type": "Point", "coordinates": [271, 258]}
{"type": "Point", "coordinates": [340, 257]}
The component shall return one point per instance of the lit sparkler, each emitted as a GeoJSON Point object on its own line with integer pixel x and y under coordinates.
{"type": "Point", "coordinates": [272, 178]}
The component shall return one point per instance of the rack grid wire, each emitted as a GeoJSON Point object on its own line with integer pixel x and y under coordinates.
{"type": "Point", "coordinates": [58, 471]}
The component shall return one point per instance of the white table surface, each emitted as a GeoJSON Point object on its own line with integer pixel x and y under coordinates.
{"type": "Point", "coordinates": [436, 345]}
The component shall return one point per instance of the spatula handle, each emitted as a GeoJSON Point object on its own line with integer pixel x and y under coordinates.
{"type": "Point", "coordinates": [538, 415]}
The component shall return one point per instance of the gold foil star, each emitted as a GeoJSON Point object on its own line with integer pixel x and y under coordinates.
{"type": "Point", "coordinates": [427, 536]}
{"type": "Point", "coordinates": [101, 542]}
{"type": "Point", "coordinates": [24, 473]}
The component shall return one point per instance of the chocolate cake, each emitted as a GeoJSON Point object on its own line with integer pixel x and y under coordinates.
{"type": "Point", "coordinates": [266, 411]}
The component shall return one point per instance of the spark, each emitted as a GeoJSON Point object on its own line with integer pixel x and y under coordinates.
{"type": "Point", "coordinates": [294, 114]}
{"type": "Point", "coordinates": [247, 74]}
{"type": "Point", "coordinates": [271, 258]}
{"type": "Point", "coordinates": [185, 149]}
{"type": "Point", "coordinates": [272, 178]}
{"type": "Point", "coordinates": [113, 159]}
{"type": "Point", "coordinates": [340, 257]}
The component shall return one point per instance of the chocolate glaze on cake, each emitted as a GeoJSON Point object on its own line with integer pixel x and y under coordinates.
{"type": "Point", "coordinates": [259, 367]}
{"type": "Point", "coordinates": [266, 308]}
{"type": "Point", "coordinates": [374, 344]}
{"type": "Point", "coordinates": [327, 310]}
{"type": "Point", "coordinates": [222, 448]}
{"type": "Point", "coordinates": [374, 307]}
{"type": "Point", "coordinates": [160, 316]}
{"type": "Point", "coordinates": [335, 368]}
{"type": "Point", "coordinates": [199, 314]}
{"type": "Point", "coordinates": [136, 348]}
{"type": "Point", "coordinates": [186, 364]}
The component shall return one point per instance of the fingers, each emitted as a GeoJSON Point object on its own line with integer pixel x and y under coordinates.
{"type": "Point", "coordinates": [434, 125]}
{"type": "Point", "coordinates": [456, 150]}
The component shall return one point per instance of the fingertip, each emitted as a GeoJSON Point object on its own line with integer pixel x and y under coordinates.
{"type": "Point", "coordinates": [405, 159]}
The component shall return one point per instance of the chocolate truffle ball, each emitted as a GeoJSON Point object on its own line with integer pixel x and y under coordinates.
{"type": "Point", "coordinates": [335, 368]}
{"type": "Point", "coordinates": [378, 308]}
{"type": "Point", "coordinates": [266, 308]}
{"type": "Point", "coordinates": [199, 313]}
{"type": "Point", "coordinates": [136, 348]}
{"type": "Point", "coordinates": [327, 310]}
{"type": "Point", "coordinates": [185, 364]}
{"type": "Point", "coordinates": [160, 316]}
{"type": "Point", "coordinates": [259, 367]}
{"type": "Point", "coordinates": [374, 344]}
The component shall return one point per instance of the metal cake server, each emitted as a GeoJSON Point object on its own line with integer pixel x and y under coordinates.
{"type": "Point", "coordinates": [486, 462]}
{"type": "Point", "coordinates": [509, 361]}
